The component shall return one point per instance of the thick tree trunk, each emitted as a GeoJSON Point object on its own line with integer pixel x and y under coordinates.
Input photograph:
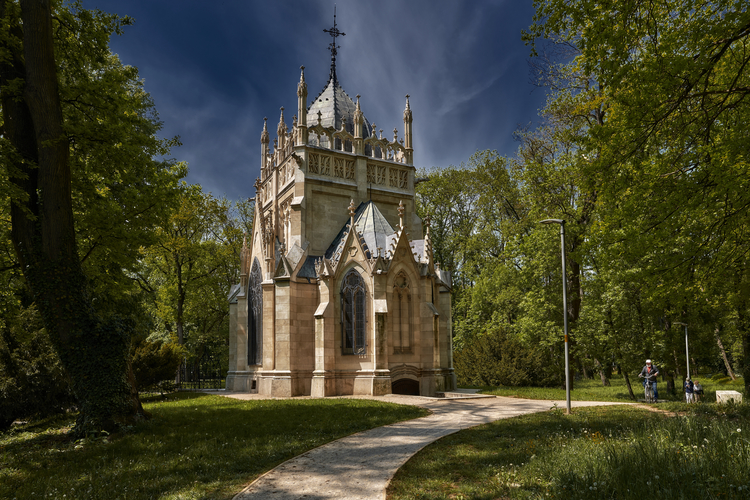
{"type": "Point", "coordinates": [93, 354]}
{"type": "Point", "coordinates": [728, 365]}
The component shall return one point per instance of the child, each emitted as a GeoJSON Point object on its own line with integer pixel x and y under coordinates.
{"type": "Point", "coordinates": [689, 388]}
{"type": "Point", "coordinates": [697, 391]}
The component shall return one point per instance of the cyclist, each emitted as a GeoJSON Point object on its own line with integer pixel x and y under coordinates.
{"type": "Point", "coordinates": [650, 372]}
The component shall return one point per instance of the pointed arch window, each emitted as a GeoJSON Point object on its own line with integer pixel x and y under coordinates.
{"type": "Point", "coordinates": [401, 317]}
{"type": "Point", "coordinates": [255, 316]}
{"type": "Point", "coordinates": [353, 314]}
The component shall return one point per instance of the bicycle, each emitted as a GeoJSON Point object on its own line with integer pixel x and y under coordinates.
{"type": "Point", "coordinates": [648, 388]}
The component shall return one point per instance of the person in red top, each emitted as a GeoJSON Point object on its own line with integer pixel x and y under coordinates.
{"type": "Point", "coordinates": [650, 372]}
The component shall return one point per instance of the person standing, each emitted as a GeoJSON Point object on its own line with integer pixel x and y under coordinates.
{"type": "Point", "coordinates": [650, 372]}
{"type": "Point", "coordinates": [689, 388]}
{"type": "Point", "coordinates": [697, 391]}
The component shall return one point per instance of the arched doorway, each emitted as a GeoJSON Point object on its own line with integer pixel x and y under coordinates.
{"type": "Point", "coordinates": [405, 386]}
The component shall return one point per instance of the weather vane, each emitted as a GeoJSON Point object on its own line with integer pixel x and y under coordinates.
{"type": "Point", "coordinates": [334, 32]}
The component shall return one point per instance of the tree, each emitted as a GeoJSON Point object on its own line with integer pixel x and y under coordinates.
{"type": "Point", "coordinates": [189, 271]}
{"type": "Point", "coordinates": [673, 167]}
{"type": "Point", "coordinates": [62, 108]}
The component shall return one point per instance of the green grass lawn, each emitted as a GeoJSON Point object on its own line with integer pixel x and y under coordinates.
{"type": "Point", "coordinates": [195, 446]}
{"type": "Point", "coordinates": [593, 390]}
{"type": "Point", "coordinates": [621, 452]}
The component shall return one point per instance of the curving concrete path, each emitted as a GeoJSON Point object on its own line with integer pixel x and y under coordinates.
{"type": "Point", "coordinates": [360, 466]}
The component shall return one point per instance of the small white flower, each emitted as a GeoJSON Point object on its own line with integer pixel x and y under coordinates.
{"type": "Point", "coordinates": [739, 430]}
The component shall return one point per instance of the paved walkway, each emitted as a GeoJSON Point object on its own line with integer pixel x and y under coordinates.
{"type": "Point", "coordinates": [360, 466]}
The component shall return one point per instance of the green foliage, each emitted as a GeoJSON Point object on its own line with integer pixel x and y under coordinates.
{"type": "Point", "coordinates": [33, 384]}
{"type": "Point", "coordinates": [186, 276]}
{"type": "Point", "coordinates": [642, 152]}
{"type": "Point", "coordinates": [498, 359]}
{"type": "Point", "coordinates": [122, 184]}
{"type": "Point", "coordinates": [195, 446]}
{"type": "Point", "coordinates": [155, 362]}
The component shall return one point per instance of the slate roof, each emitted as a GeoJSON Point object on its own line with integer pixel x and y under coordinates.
{"type": "Point", "coordinates": [334, 103]}
{"type": "Point", "coordinates": [371, 224]}
{"type": "Point", "coordinates": [308, 268]}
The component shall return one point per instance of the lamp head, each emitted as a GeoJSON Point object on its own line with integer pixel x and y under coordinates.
{"type": "Point", "coordinates": [552, 221]}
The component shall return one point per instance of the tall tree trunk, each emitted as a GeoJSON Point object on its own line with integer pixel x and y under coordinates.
{"type": "Point", "coordinates": [93, 354]}
{"type": "Point", "coordinates": [730, 372]}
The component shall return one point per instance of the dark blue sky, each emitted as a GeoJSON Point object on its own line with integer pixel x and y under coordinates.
{"type": "Point", "coordinates": [216, 68]}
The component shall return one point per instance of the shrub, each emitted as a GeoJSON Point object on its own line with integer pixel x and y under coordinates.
{"type": "Point", "coordinates": [155, 362]}
{"type": "Point", "coordinates": [33, 383]}
{"type": "Point", "coordinates": [496, 358]}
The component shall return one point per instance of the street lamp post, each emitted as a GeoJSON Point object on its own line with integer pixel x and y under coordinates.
{"type": "Point", "coordinates": [565, 308]}
{"type": "Point", "coordinates": [687, 353]}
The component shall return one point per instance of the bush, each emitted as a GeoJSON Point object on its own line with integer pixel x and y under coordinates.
{"type": "Point", "coordinates": [33, 383]}
{"type": "Point", "coordinates": [495, 358]}
{"type": "Point", "coordinates": [155, 362]}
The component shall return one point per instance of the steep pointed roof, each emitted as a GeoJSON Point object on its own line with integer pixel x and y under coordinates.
{"type": "Point", "coordinates": [334, 104]}
{"type": "Point", "coordinates": [371, 225]}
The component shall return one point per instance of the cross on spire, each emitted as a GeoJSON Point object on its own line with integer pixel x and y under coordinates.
{"type": "Point", "coordinates": [334, 32]}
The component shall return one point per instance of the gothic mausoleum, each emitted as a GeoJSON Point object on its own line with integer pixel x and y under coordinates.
{"type": "Point", "coordinates": [339, 292]}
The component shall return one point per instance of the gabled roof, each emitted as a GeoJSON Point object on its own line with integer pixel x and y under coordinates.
{"type": "Point", "coordinates": [371, 225]}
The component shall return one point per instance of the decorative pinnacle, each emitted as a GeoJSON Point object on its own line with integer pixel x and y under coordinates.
{"type": "Point", "coordinates": [334, 32]}
{"type": "Point", "coordinates": [264, 136]}
{"type": "Point", "coordinates": [407, 111]}
{"type": "Point", "coordinates": [401, 214]}
{"type": "Point", "coordinates": [302, 86]}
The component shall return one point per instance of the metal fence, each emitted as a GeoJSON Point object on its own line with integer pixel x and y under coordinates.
{"type": "Point", "coordinates": [203, 373]}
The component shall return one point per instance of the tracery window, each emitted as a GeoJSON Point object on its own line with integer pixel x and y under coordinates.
{"type": "Point", "coordinates": [255, 316]}
{"type": "Point", "coordinates": [353, 314]}
{"type": "Point", "coordinates": [401, 316]}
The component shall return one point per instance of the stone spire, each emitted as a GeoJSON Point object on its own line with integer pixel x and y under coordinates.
{"type": "Point", "coordinates": [264, 140]}
{"type": "Point", "coordinates": [401, 209]}
{"type": "Point", "coordinates": [359, 120]}
{"type": "Point", "coordinates": [302, 108]}
{"type": "Point", "coordinates": [281, 130]}
{"type": "Point", "coordinates": [407, 133]}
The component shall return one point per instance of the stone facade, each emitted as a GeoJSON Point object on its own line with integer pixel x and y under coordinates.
{"type": "Point", "coordinates": [339, 292]}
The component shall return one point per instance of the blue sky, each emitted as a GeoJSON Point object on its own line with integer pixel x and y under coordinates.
{"type": "Point", "coordinates": [216, 68]}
